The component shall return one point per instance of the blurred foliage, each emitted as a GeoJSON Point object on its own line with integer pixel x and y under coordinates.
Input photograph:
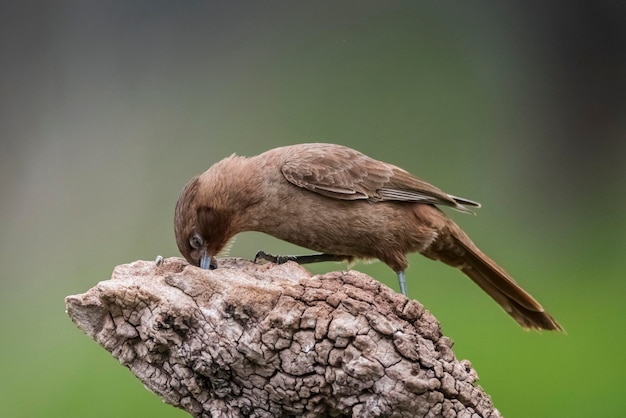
{"type": "Point", "coordinates": [108, 108]}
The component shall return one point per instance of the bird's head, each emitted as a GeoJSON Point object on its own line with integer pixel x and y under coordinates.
{"type": "Point", "coordinates": [202, 229]}
{"type": "Point", "coordinates": [213, 207]}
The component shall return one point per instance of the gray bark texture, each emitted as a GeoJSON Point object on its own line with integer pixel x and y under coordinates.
{"type": "Point", "coordinates": [266, 340]}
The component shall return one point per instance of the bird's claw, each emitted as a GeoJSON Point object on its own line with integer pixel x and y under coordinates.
{"type": "Point", "coordinates": [263, 256]}
{"type": "Point", "coordinates": [276, 259]}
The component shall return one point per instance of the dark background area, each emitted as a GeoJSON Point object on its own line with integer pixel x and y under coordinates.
{"type": "Point", "coordinates": [108, 108]}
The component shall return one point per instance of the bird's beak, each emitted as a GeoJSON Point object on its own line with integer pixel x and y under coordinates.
{"type": "Point", "coordinates": [205, 260]}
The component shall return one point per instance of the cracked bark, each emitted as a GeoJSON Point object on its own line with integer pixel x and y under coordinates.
{"type": "Point", "coordinates": [272, 341]}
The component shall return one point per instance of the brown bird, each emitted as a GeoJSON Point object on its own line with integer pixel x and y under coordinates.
{"type": "Point", "coordinates": [344, 204]}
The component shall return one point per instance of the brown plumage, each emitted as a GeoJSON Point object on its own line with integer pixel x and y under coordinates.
{"type": "Point", "coordinates": [338, 201]}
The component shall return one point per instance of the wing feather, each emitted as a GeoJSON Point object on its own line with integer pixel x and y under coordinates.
{"type": "Point", "coordinates": [343, 173]}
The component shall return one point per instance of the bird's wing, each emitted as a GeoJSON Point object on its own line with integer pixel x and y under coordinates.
{"type": "Point", "coordinates": [343, 173]}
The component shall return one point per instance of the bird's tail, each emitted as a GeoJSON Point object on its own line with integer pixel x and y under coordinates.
{"type": "Point", "coordinates": [455, 248]}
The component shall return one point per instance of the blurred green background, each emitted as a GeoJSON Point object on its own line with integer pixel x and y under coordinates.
{"type": "Point", "coordinates": [108, 108]}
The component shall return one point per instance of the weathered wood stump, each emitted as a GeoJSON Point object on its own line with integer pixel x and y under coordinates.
{"type": "Point", "coordinates": [250, 340]}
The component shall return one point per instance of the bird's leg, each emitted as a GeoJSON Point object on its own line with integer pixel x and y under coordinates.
{"type": "Point", "coordinates": [300, 259]}
{"type": "Point", "coordinates": [402, 280]}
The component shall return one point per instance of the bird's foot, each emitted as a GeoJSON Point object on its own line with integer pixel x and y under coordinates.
{"type": "Point", "coordinates": [276, 259]}
{"type": "Point", "coordinates": [300, 259]}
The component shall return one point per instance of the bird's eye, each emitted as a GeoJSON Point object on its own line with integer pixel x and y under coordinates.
{"type": "Point", "coordinates": [196, 241]}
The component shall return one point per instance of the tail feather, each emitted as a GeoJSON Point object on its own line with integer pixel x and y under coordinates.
{"type": "Point", "coordinates": [505, 291]}
{"type": "Point", "coordinates": [536, 318]}
{"type": "Point", "coordinates": [454, 248]}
